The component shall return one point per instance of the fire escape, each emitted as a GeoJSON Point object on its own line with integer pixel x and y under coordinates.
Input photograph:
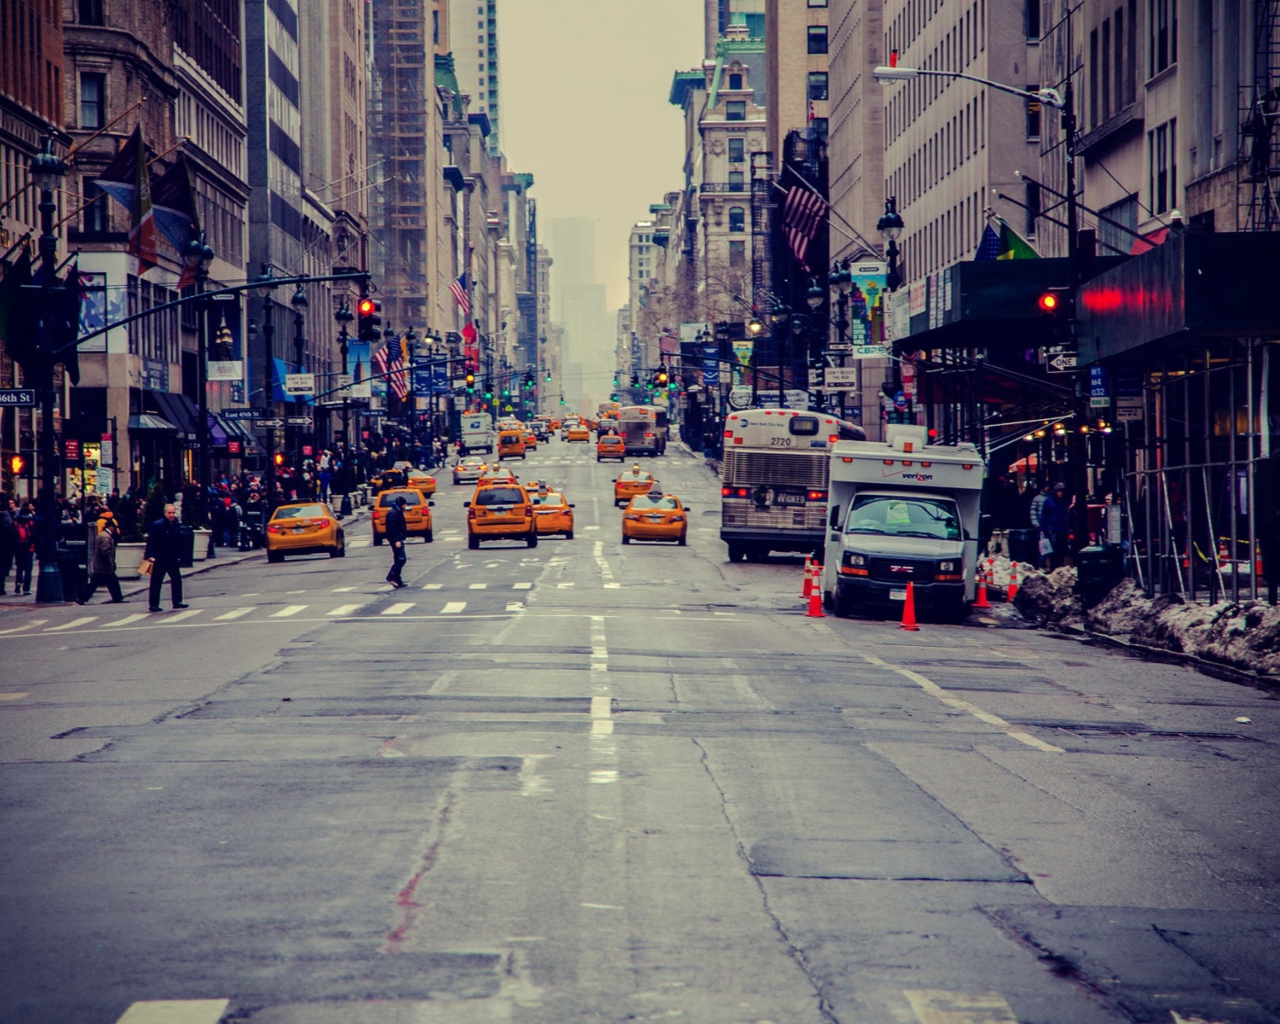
{"type": "Point", "coordinates": [1258, 174]}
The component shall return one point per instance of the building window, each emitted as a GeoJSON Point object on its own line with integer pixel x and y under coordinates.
{"type": "Point", "coordinates": [737, 151]}
{"type": "Point", "coordinates": [735, 81]}
{"type": "Point", "coordinates": [1162, 142]}
{"type": "Point", "coordinates": [817, 85]}
{"type": "Point", "coordinates": [737, 218]}
{"type": "Point", "coordinates": [1032, 203]}
{"type": "Point", "coordinates": [817, 3]}
{"type": "Point", "coordinates": [1033, 116]}
{"type": "Point", "coordinates": [95, 208]}
{"type": "Point", "coordinates": [818, 37]}
{"type": "Point", "coordinates": [737, 182]}
{"type": "Point", "coordinates": [819, 127]}
{"type": "Point", "coordinates": [93, 100]}
{"type": "Point", "coordinates": [1163, 22]}
{"type": "Point", "coordinates": [737, 255]}
{"type": "Point", "coordinates": [735, 110]}
{"type": "Point", "coordinates": [91, 12]}
{"type": "Point", "coordinates": [1033, 19]}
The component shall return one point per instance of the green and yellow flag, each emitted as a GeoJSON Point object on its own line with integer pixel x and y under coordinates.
{"type": "Point", "coordinates": [1013, 246]}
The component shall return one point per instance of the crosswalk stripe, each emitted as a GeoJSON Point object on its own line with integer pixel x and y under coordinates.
{"type": "Point", "coordinates": [515, 606]}
{"type": "Point", "coordinates": [453, 607]}
{"type": "Point", "coordinates": [176, 1011]}
{"type": "Point", "coordinates": [189, 613]}
{"type": "Point", "coordinates": [478, 586]}
{"type": "Point", "coordinates": [432, 586]}
{"type": "Point", "coordinates": [359, 542]}
{"type": "Point", "coordinates": [129, 620]}
{"type": "Point", "coordinates": [342, 590]}
{"type": "Point", "coordinates": [344, 609]}
{"type": "Point", "coordinates": [33, 624]}
{"type": "Point", "coordinates": [397, 609]}
{"type": "Point", "coordinates": [564, 586]}
{"type": "Point", "coordinates": [287, 610]}
{"type": "Point", "coordinates": [613, 586]}
{"type": "Point", "coordinates": [84, 620]}
{"type": "Point", "coordinates": [235, 613]}
{"type": "Point", "coordinates": [940, 1006]}
{"type": "Point", "coordinates": [521, 586]}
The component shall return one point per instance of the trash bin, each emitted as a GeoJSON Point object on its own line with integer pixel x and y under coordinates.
{"type": "Point", "coordinates": [1024, 546]}
{"type": "Point", "coordinates": [186, 547]}
{"type": "Point", "coordinates": [72, 564]}
{"type": "Point", "coordinates": [1098, 569]}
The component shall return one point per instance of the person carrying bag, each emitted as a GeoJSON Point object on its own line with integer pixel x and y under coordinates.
{"type": "Point", "coordinates": [164, 547]}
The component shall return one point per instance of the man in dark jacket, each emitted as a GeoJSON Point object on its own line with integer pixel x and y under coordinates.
{"type": "Point", "coordinates": [397, 532]}
{"type": "Point", "coordinates": [1055, 524]}
{"type": "Point", "coordinates": [8, 540]}
{"type": "Point", "coordinates": [164, 546]}
{"type": "Point", "coordinates": [103, 560]}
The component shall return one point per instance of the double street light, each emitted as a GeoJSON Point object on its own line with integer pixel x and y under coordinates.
{"type": "Point", "coordinates": [198, 255]}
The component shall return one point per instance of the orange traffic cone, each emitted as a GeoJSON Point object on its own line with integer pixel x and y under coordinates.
{"type": "Point", "coordinates": [808, 578]}
{"type": "Point", "coordinates": [1222, 552]}
{"type": "Point", "coordinates": [1013, 583]}
{"type": "Point", "coordinates": [909, 609]}
{"type": "Point", "coordinates": [982, 601]}
{"type": "Point", "coordinates": [815, 596]}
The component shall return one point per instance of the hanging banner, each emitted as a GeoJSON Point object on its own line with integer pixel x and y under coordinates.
{"type": "Point", "coordinates": [742, 348]}
{"type": "Point", "coordinates": [866, 307]}
{"type": "Point", "coordinates": [358, 356]}
{"type": "Point", "coordinates": [226, 358]}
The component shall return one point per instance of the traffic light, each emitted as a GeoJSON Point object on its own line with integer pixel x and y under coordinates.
{"type": "Point", "coordinates": [615, 382]}
{"type": "Point", "coordinates": [1055, 304]}
{"type": "Point", "coordinates": [17, 464]}
{"type": "Point", "coordinates": [635, 379]}
{"type": "Point", "coordinates": [279, 459]}
{"type": "Point", "coordinates": [663, 377]}
{"type": "Point", "coordinates": [471, 383]}
{"type": "Point", "coordinates": [368, 319]}
{"type": "Point", "coordinates": [488, 389]}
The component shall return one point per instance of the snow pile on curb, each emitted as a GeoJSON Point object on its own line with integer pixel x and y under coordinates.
{"type": "Point", "coordinates": [1241, 634]}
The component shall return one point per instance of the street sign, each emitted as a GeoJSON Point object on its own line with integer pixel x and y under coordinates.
{"type": "Point", "coordinates": [840, 346]}
{"type": "Point", "coordinates": [71, 449]}
{"type": "Point", "coordinates": [14, 398]}
{"type": "Point", "coordinates": [1128, 413]}
{"type": "Point", "coordinates": [245, 414]}
{"type": "Point", "coordinates": [1064, 362]}
{"type": "Point", "coordinates": [299, 383]}
{"type": "Point", "coordinates": [107, 451]}
{"type": "Point", "coordinates": [342, 383]}
{"type": "Point", "coordinates": [840, 378]}
{"type": "Point", "coordinates": [233, 446]}
{"type": "Point", "coordinates": [870, 352]}
{"type": "Point", "coordinates": [298, 421]}
{"type": "Point", "coordinates": [269, 424]}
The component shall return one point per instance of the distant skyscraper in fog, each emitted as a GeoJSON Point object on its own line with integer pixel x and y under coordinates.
{"type": "Point", "coordinates": [578, 301]}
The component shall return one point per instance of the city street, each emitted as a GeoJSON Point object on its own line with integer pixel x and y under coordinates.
{"type": "Point", "coordinates": [585, 782]}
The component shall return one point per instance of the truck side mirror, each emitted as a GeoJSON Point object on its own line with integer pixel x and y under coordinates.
{"type": "Point", "coordinates": [834, 520]}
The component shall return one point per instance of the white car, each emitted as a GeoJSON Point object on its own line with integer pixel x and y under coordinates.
{"type": "Point", "coordinates": [467, 470]}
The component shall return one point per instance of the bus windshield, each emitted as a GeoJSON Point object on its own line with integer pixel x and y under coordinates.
{"type": "Point", "coordinates": [891, 516]}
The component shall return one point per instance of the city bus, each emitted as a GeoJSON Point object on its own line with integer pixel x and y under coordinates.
{"type": "Point", "coordinates": [643, 429]}
{"type": "Point", "coordinates": [773, 480]}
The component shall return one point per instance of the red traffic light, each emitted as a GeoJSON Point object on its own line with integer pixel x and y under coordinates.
{"type": "Point", "coordinates": [366, 307]}
{"type": "Point", "coordinates": [1049, 302]}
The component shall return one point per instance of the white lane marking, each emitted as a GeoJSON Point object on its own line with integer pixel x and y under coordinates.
{"type": "Point", "coordinates": [591, 527]}
{"type": "Point", "coordinates": [477, 586]}
{"type": "Point", "coordinates": [295, 591]}
{"type": "Point", "coordinates": [13, 696]}
{"type": "Point", "coordinates": [940, 1006]}
{"type": "Point", "coordinates": [930, 687]}
{"type": "Point", "coordinates": [453, 607]}
{"type": "Point", "coordinates": [601, 707]}
{"type": "Point", "coordinates": [432, 586]}
{"type": "Point", "coordinates": [344, 609]}
{"type": "Point", "coordinates": [128, 620]}
{"type": "Point", "coordinates": [235, 613]}
{"type": "Point", "coordinates": [613, 586]}
{"type": "Point", "coordinates": [176, 1011]}
{"type": "Point", "coordinates": [188, 614]}
{"type": "Point", "coordinates": [397, 609]}
{"type": "Point", "coordinates": [33, 624]}
{"type": "Point", "coordinates": [342, 590]}
{"type": "Point", "coordinates": [359, 542]}
{"type": "Point", "coordinates": [515, 606]}
{"type": "Point", "coordinates": [522, 586]}
{"type": "Point", "coordinates": [287, 610]}
{"type": "Point", "coordinates": [564, 586]}
{"type": "Point", "coordinates": [81, 621]}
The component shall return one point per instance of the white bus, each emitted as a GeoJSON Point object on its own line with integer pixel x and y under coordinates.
{"type": "Point", "coordinates": [773, 480]}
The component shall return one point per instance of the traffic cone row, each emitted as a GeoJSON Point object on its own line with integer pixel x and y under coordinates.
{"type": "Point", "coordinates": [814, 582]}
{"type": "Point", "coordinates": [1013, 582]}
{"type": "Point", "coordinates": [808, 577]}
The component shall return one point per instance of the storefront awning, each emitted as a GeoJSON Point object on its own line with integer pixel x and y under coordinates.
{"type": "Point", "coordinates": [179, 409]}
{"type": "Point", "coordinates": [149, 421]}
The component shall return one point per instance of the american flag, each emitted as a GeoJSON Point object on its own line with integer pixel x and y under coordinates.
{"type": "Point", "coordinates": [802, 217]}
{"type": "Point", "coordinates": [459, 292]}
{"type": "Point", "coordinates": [388, 364]}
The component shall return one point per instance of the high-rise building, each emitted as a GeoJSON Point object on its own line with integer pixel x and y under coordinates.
{"type": "Point", "coordinates": [718, 15]}
{"type": "Point", "coordinates": [473, 28]}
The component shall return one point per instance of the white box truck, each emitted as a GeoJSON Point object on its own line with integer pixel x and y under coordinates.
{"type": "Point", "coordinates": [903, 511]}
{"type": "Point", "coordinates": [476, 433]}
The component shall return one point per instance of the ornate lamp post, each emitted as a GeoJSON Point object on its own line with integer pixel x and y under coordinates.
{"type": "Point", "coordinates": [890, 227]}
{"type": "Point", "coordinates": [299, 304]}
{"type": "Point", "coordinates": [198, 255]}
{"type": "Point", "coordinates": [344, 316]}
{"type": "Point", "coordinates": [47, 171]}
{"type": "Point", "coordinates": [265, 286]}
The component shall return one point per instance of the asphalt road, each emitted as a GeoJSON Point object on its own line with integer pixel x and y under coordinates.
{"type": "Point", "coordinates": [589, 783]}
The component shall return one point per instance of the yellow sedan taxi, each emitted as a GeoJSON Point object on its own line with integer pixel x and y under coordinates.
{"type": "Point", "coordinates": [530, 440]}
{"type": "Point", "coordinates": [611, 446]}
{"type": "Point", "coordinates": [500, 510]}
{"type": "Point", "coordinates": [655, 516]}
{"type": "Point", "coordinates": [422, 481]}
{"type": "Point", "coordinates": [304, 528]}
{"type": "Point", "coordinates": [417, 514]}
{"type": "Point", "coordinates": [553, 513]}
{"type": "Point", "coordinates": [495, 474]}
{"type": "Point", "coordinates": [631, 482]}
{"type": "Point", "coordinates": [578, 432]}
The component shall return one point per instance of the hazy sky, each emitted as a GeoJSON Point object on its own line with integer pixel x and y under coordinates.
{"type": "Point", "coordinates": [584, 86]}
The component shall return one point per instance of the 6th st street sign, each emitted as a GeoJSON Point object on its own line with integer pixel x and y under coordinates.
{"type": "Point", "coordinates": [17, 398]}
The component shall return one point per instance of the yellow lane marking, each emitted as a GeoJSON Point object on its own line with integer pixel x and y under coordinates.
{"type": "Point", "coordinates": [176, 1011]}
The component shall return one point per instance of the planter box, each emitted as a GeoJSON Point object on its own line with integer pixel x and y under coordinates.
{"type": "Point", "coordinates": [201, 552]}
{"type": "Point", "coordinates": [128, 555]}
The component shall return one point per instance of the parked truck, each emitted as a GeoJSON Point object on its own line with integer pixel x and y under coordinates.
{"type": "Point", "coordinates": [476, 433]}
{"type": "Point", "coordinates": [903, 511]}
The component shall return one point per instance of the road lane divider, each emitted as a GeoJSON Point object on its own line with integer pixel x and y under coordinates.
{"type": "Point", "coordinates": [176, 1011]}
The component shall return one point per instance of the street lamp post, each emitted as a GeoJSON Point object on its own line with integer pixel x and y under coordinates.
{"type": "Point", "coordinates": [411, 346]}
{"type": "Point", "coordinates": [344, 316]}
{"type": "Point", "coordinates": [266, 286]}
{"type": "Point", "coordinates": [890, 227]}
{"type": "Point", "coordinates": [47, 171]}
{"type": "Point", "coordinates": [299, 304]}
{"type": "Point", "coordinates": [198, 255]}
{"type": "Point", "coordinates": [839, 282]}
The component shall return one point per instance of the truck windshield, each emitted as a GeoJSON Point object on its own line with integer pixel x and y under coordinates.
{"type": "Point", "coordinates": [903, 517]}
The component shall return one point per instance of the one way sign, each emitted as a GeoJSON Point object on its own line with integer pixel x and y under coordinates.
{"type": "Point", "coordinates": [1063, 362]}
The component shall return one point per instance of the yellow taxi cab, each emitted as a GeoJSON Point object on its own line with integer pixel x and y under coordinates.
{"type": "Point", "coordinates": [420, 480]}
{"type": "Point", "coordinates": [530, 440]}
{"type": "Point", "coordinates": [631, 482]}
{"type": "Point", "coordinates": [611, 446]}
{"type": "Point", "coordinates": [304, 528]}
{"type": "Point", "coordinates": [566, 424]}
{"type": "Point", "coordinates": [387, 479]}
{"type": "Point", "coordinates": [578, 432]}
{"type": "Point", "coordinates": [553, 513]}
{"type": "Point", "coordinates": [510, 444]}
{"type": "Point", "coordinates": [655, 516]}
{"type": "Point", "coordinates": [554, 423]}
{"type": "Point", "coordinates": [495, 474]}
{"type": "Point", "coordinates": [417, 514]}
{"type": "Point", "coordinates": [500, 510]}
